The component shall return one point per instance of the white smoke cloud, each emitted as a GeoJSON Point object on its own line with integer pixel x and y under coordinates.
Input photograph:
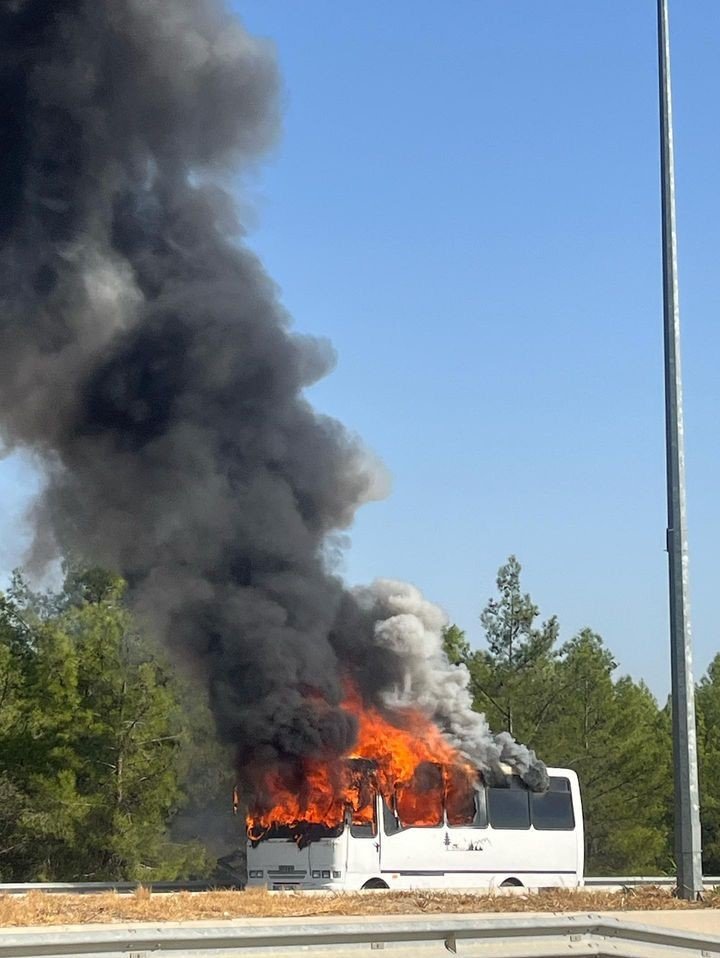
{"type": "Point", "coordinates": [411, 626]}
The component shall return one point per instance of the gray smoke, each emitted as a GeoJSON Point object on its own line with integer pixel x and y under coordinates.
{"type": "Point", "coordinates": [411, 627]}
{"type": "Point", "coordinates": [146, 362]}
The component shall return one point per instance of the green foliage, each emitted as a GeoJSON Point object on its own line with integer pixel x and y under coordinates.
{"type": "Point", "coordinates": [708, 723]}
{"type": "Point", "coordinates": [456, 645]}
{"type": "Point", "coordinates": [613, 735]}
{"type": "Point", "coordinates": [110, 768]}
{"type": "Point", "coordinates": [93, 740]}
{"type": "Point", "coordinates": [568, 706]}
{"type": "Point", "coordinates": [513, 677]}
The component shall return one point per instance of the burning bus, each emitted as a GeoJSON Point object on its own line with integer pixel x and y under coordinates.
{"type": "Point", "coordinates": [439, 830]}
{"type": "Point", "coordinates": [408, 810]}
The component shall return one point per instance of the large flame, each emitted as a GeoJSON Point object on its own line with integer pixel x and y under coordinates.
{"type": "Point", "coordinates": [407, 760]}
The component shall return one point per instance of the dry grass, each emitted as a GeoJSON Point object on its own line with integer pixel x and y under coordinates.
{"type": "Point", "coordinates": [38, 908]}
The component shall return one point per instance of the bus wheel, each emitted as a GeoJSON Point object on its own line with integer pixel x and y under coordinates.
{"type": "Point", "coordinates": [375, 883]}
{"type": "Point", "coordinates": [511, 883]}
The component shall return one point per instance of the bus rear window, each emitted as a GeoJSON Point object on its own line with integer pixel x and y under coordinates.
{"type": "Point", "coordinates": [509, 807]}
{"type": "Point", "coordinates": [553, 810]}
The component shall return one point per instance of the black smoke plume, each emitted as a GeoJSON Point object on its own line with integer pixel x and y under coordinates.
{"type": "Point", "coordinates": [147, 363]}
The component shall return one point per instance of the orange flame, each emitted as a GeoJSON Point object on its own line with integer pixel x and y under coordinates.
{"type": "Point", "coordinates": [407, 760]}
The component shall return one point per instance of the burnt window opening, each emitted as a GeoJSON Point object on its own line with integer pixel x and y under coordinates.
{"type": "Point", "coordinates": [362, 822]}
{"type": "Point", "coordinates": [286, 832]}
{"type": "Point", "coordinates": [361, 810]}
{"type": "Point", "coordinates": [465, 804]}
{"type": "Point", "coordinates": [420, 801]}
{"type": "Point", "coordinates": [473, 814]}
{"type": "Point", "coordinates": [302, 833]}
{"type": "Point", "coordinates": [366, 830]}
{"type": "Point", "coordinates": [391, 825]}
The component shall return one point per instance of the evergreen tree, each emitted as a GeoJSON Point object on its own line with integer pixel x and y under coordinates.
{"type": "Point", "coordinates": [708, 727]}
{"type": "Point", "coordinates": [14, 803]}
{"type": "Point", "coordinates": [571, 709]}
{"type": "Point", "coordinates": [456, 645]}
{"type": "Point", "coordinates": [93, 740]}
{"type": "Point", "coordinates": [613, 735]}
{"type": "Point", "coordinates": [37, 760]}
{"type": "Point", "coordinates": [513, 679]}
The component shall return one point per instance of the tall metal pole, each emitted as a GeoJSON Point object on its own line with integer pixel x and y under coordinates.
{"type": "Point", "coordinates": [687, 801]}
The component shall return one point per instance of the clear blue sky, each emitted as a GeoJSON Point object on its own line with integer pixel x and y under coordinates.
{"type": "Point", "coordinates": [465, 201]}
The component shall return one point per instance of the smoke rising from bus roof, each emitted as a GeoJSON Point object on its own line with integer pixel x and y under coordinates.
{"type": "Point", "coordinates": [146, 361]}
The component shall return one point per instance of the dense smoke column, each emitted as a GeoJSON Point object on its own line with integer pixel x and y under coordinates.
{"type": "Point", "coordinates": [145, 358]}
{"type": "Point", "coordinates": [146, 361]}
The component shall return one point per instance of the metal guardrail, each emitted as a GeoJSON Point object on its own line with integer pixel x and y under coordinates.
{"type": "Point", "coordinates": [165, 887]}
{"type": "Point", "coordinates": [538, 937]}
{"type": "Point", "coordinates": [710, 881]}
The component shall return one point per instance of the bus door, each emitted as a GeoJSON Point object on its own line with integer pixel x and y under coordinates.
{"type": "Point", "coordinates": [363, 847]}
{"type": "Point", "coordinates": [411, 843]}
{"type": "Point", "coordinates": [437, 827]}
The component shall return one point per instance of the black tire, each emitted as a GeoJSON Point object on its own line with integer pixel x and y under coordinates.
{"type": "Point", "coordinates": [375, 883]}
{"type": "Point", "coordinates": [511, 883]}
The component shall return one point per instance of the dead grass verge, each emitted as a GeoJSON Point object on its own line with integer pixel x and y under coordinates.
{"type": "Point", "coordinates": [39, 908]}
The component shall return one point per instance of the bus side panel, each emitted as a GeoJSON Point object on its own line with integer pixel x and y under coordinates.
{"type": "Point", "coordinates": [479, 857]}
{"type": "Point", "coordinates": [536, 853]}
{"type": "Point", "coordinates": [535, 858]}
{"type": "Point", "coordinates": [413, 852]}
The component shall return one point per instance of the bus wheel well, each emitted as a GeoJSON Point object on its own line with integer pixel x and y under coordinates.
{"type": "Point", "coordinates": [375, 883]}
{"type": "Point", "coordinates": [511, 883]}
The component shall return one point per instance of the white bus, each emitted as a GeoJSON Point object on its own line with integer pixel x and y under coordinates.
{"type": "Point", "coordinates": [502, 836]}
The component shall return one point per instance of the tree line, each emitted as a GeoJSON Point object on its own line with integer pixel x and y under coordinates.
{"type": "Point", "coordinates": [106, 760]}
{"type": "Point", "coordinates": [109, 769]}
{"type": "Point", "coordinates": [568, 702]}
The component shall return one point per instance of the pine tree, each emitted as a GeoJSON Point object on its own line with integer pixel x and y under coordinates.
{"type": "Point", "coordinates": [94, 742]}
{"type": "Point", "coordinates": [512, 679]}
{"type": "Point", "coordinates": [456, 645]}
{"type": "Point", "coordinates": [708, 727]}
{"type": "Point", "coordinates": [617, 740]}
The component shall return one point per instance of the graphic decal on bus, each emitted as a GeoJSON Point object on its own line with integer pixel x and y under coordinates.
{"type": "Point", "coordinates": [467, 845]}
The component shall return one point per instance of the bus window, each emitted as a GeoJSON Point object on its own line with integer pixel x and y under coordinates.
{"type": "Point", "coordinates": [473, 815]}
{"type": "Point", "coordinates": [361, 817]}
{"type": "Point", "coordinates": [509, 807]}
{"type": "Point", "coordinates": [360, 827]}
{"type": "Point", "coordinates": [553, 810]}
{"type": "Point", "coordinates": [460, 807]}
{"type": "Point", "coordinates": [302, 832]}
{"type": "Point", "coordinates": [366, 830]}
{"type": "Point", "coordinates": [559, 784]}
{"type": "Point", "coordinates": [420, 801]}
{"type": "Point", "coordinates": [481, 810]}
{"type": "Point", "coordinates": [464, 802]}
{"type": "Point", "coordinates": [390, 822]}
